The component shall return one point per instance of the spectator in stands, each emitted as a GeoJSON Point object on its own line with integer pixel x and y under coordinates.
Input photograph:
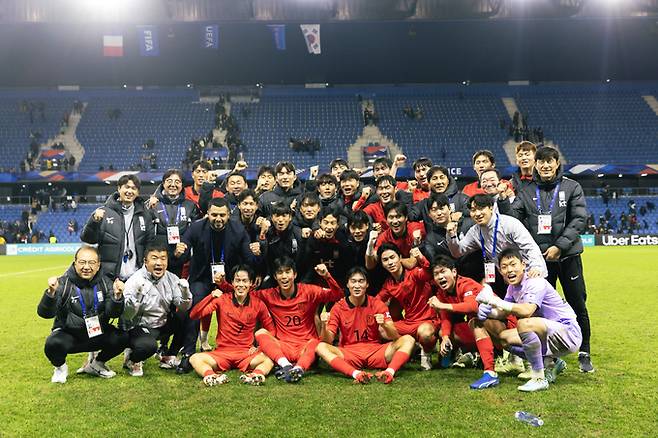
{"type": "Point", "coordinates": [122, 228]}
{"type": "Point", "coordinates": [82, 324]}
{"type": "Point", "coordinates": [650, 206]}
{"type": "Point", "coordinates": [553, 208]}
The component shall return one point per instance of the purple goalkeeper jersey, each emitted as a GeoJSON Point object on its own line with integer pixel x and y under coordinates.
{"type": "Point", "coordinates": [550, 304]}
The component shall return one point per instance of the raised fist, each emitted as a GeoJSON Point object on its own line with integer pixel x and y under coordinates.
{"type": "Point", "coordinates": [400, 159]}
{"type": "Point", "coordinates": [183, 284]}
{"type": "Point", "coordinates": [451, 229]}
{"type": "Point", "coordinates": [180, 249]}
{"type": "Point", "coordinates": [99, 214]}
{"type": "Point", "coordinates": [118, 287]}
{"type": "Point", "coordinates": [322, 270]}
{"type": "Point", "coordinates": [53, 282]}
{"type": "Point", "coordinates": [379, 318]}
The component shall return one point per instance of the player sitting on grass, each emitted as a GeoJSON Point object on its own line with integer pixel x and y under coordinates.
{"type": "Point", "coordinates": [411, 288]}
{"type": "Point", "coordinates": [359, 319]}
{"type": "Point", "coordinates": [455, 302]}
{"type": "Point", "coordinates": [237, 313]}
{"type": "Point", "coordinates": [293, 306]}
{"type": "Point", "coordinates": [547, 325]}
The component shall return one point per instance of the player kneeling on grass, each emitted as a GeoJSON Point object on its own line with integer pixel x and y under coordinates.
{"type": "Point", "coordinates": [150, 294]}
{"type": "Point", "coordinates": [547, 325]}
{"type": "Point", "coordinates": [359, 319]}
{"type": "Point", "coordinates": [293, 306]}
{"type": "Point", "coordinates": [455, 301]}
{"type": "Point", "coordinates": [238, 313]}
{"type": "Point", "coordinates": [82, 301]}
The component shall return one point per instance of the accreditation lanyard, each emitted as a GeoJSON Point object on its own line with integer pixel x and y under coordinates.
{"type": "Point", "coordinates": [92, 323]}
{"type": "Point", "coordinates": [166, 215]}
{"type": "Point", "coordinates": [489, 266]}
{"type": "Point", "coordinates": [82, 301]}
{"type": "Point", "coordinates": [550, 207]}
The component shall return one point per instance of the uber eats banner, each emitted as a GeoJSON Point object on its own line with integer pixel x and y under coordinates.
{"type": "Point", "coordinates": [626, 239]}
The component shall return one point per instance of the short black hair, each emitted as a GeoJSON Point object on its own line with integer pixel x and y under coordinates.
{"type": "Point", "coordinates": [284, 165]}
{"type": "Point", "coordinates": [310, 198]}
{"type": "Point", "coordinates": [386, 178]}
{"type": "Point", "coordinates": [202, 164]}
{"type": "Point", "coordinates": [440, 199]}
{"type": "Point", "coordinates": [127, 178]}
{"type": "Point", "coordinates": [282, 264]}
{"type": "Point", "coordinates": [327, 178]}
{"type": "Point", "coordinates": [280, 209]}
{"type": "Point", "coordinates": [383, 160]}
{"type": "Point", "coordinates": [242, 267]}
{"type": "Point", "coordinates": [546, 153]}
{"type": "Point", "coordinates": [349, 174]}
{"type": "Point", "coordinates": [338, 161]}
{"type": "Point", "coordinates": [399, 207]}
{"type": "Point", "coordinates": [329, 211]}
{"type": "Point", "coordinates": [87, 248]}
{"type": "Point", "coordinates": [157, 247]}
{"type": "Point", "coordinates": [218, 202]}
{"type": "Point", "coordinates": [510, 252]}
{"type": "Point", "coordinates": [358, 218]}
{"type": "Point", "coordinates": [422, 161]}
{"type": "Point", "coordinates": [246, 193]}
{"type": "Point", "coordinates": [434, 169]}
{"type": "Point", "coordinates": [481, 201]}
{"type": "Point", "coordinates": [266, 169]}
{"type": "Point", "coordinates": [443, 261]}
{"type": "Point", "coordinates": [486, 153]}
{"type": "Point", "coordinates": [170, 172]}
{"type": "Point", "coordinates": [491, 169]}
{"type": "Point", "coordinates": [388, 247]}
{"type": "Point", "coordinates": [232, 174]}
{"type": "Point", "coordinates": [357, 270]}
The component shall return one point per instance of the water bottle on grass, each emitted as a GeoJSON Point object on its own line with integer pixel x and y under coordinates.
{"type": "Point", "coordinates": [528, 418]}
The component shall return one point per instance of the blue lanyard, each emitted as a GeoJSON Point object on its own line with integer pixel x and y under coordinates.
{"type": "Point", "coordinates": [550, 207]}
{"type": "Point", "coordinates": [166, 216]}
{"type": "Point", "coordinates": [495, 241]}
{"type": "Point", "coordinates": [212, 250]}
{"type": "Point", "coordinates": [82, 301]}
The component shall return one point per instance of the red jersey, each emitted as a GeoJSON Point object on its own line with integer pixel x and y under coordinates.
{"type": "Point", "coordinates": [418, 194]}
{"type": "Point", "coordinates": [374, 210]}
{"type": "Point", "coordinates": [405, 242]}
{"type": "Point", "coordinates": [193, 196]}
{"type": "Point", "coordinates": [236, 322]}
{"type": "Point", "coordinates": [474, 188]}
{"type": "Point", "coordinates": [294, 317]}
{"type": "Point", "coordinates": [357, 325]}
{"type": "Point", "coordinates": [412, 291]}
{"type": "Point", "coordinates": [462, 300]}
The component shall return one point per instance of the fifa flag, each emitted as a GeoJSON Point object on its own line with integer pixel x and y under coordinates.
{"type": "Point", "coordinates": [279, 35]}
{"type": "Point", "coordinates": [312, 36]}
{"type": "Point", "coordinates": [113, 45]}
{"type": "Point", "coordinates": [210, 36]}
{"type": "Point", "coordinates": [148, 41]}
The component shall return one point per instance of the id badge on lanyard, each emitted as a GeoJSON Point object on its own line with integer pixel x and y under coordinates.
{"type": "Point", "coordinates": [544, 224]}
{"type": "Point", "coordinates": [489, 272]}
{"type": "Point", "coordinates": [93, 326]}
{"type": "Point", "coordinates": [173, 235]}
{"type": "Point", "coordinates": [217, 269]}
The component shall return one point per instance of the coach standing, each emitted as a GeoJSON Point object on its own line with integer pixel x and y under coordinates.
{"type": "Point", "coordinates": [122, 228]}
{"type": "Point", "coordinates": [218, 245]}
{"type": "Point", "coordinates": [553, 208]}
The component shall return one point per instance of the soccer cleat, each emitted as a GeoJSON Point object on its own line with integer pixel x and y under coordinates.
{"type": "Point", "coordinates": [486, 381]}
{"type": "Point", "coordinates": [465, 360]}
{"type": "Point", "coordinates": [585, 363]}
{"type": "Point", "coordinates": [526, 375]}
{"type": "Point", "coordinates": [162, 352]}
{"type": "Point", "coordinates": [425, 360]}
{"type": "Point", "coordinates": [509, 366]}
{"type": "Point", "coordinates": [99, 369]}
{"type": "Point", "coordinates": [60, 374]}
{"type": "Point", "coordinates": [253, 379]}
{"type": "Point", "coordinates": [169, 362]}
{"type": "Point", "coordinates": [282, 373]}
{"type": "Point", "coordinates": [294, 375]}
{"type": "Point", "coordinates": [135, 369]}
{"type": "Point", "coordinates": [184, 366]}
{"type": "Point", "coordinates": [215, 379]}
{"type": "Point", "coordinates": [384, 377]}
{"type": "Point", "coordinates": [552, 372]}
{"type": "Point", "coordinates": [363, 378]}
{"type": "Point", "coordinates": [534, 384]}
{"type": "Point", "coordinates": [90, 358]}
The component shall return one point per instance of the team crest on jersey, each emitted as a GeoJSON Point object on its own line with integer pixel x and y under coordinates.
{"type": "Point", "coordinates": [370, 319]}
{"type": "Point", "coordinates": [468, 293]}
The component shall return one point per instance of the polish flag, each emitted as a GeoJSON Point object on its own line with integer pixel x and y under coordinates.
{"type": "Point", "coordinates": [113, 45]}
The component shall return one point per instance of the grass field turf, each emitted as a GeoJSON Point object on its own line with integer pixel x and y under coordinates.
{"type": "Point", "coordinates": [618, 400]}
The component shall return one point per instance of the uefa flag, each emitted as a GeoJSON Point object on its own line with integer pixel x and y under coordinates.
{"type": "Point", "coordinates": [113, 45]}
{"type": "Point", "coordinates": [210, 36]}
{"type": "Point", "coordinates": [312, 36]}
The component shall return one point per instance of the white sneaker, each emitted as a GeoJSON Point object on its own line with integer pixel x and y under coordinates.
{"type": "Point", "coordinates": [90, 358]}
{"type": "Point", "coordinates": [465, 360]}
{"type": "Point", "coordinates": [535, 384]}
{"type": "Point", "coordinates": [60, 373]}
{"type": "Point", "coordinates": [425, 360]}
{"type": "Point", "coordinates": [135, 369]}
{"type": "Point", "coordinates": [99, 369]}
{"type": "Point", "coordinates": [215, 379]}
{"type": "Point", "coordinates": [169, 362]}
{"type": "Point", "coordinates": [253, 379]}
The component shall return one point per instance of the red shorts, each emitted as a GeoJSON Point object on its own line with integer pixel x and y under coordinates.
{"type": "Point", "coordinates": [405, 327]}
{"type": "Point", "coordinates": [293, 350]}
{"type": "Point", "coordinates": [230, 358]}
{"type": "Point", "coordinates": [464, 334]}
{"type": "Point", "coordinates": [511, 321]}
{"type": "Point", "coordinates": [365, 355]}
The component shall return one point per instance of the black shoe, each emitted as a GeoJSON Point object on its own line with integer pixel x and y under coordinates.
{"type": "Point", "coordinates": [282, 372]}
{"type": "Point", "coordinates": [585, 362]}
{"type": "Point", "coordinates": [184, 367]}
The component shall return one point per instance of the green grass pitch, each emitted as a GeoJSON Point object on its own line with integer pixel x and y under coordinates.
{"type": "Point", "coordinates": [618, 400]}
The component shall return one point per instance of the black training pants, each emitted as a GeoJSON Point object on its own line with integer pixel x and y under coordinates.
{"type": "Point", "coordinates": [61, 343]}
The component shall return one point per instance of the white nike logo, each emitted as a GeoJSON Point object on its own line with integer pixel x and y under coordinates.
{"type": "Point", "coordinates": [573, 278]}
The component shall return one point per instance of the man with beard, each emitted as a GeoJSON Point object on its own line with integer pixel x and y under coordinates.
{"type": "Point", "coordinates": [122, 228]}
{"type": "Point", "coordinates": [82, 301]}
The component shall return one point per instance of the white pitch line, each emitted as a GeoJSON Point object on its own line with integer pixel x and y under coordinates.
{"type": "Point", "coordinates": [11, 274]}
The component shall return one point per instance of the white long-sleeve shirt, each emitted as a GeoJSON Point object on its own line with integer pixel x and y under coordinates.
{"type": "Point", "coordinates": [511, 232]}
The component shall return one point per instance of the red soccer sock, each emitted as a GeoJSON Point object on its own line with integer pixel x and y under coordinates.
{"type": "Point", "coordinates": [399, 359]}
{"type": "Point", "coordinates": [340, 365]}
{"type": "Point", "coordinates": [269, 346]}
{"type": "Point", "coordinates": [208, 373]}
{"type": "Point", "coordinates": [307, 358]}
{"type": "Point", "coordinates": [205, 323]}
{"type": "Point", "coordinates": [486, 350]}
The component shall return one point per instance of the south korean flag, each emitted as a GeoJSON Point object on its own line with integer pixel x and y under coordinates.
{"type": "Point", "coordinates": [312, 36]}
